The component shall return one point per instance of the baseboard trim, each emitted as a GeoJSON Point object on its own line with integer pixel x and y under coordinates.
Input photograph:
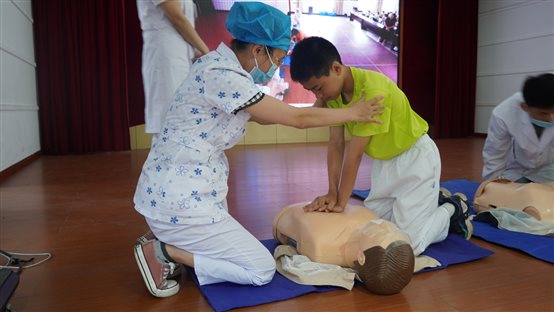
{"type": "Point", "coordinates": [11, 170]}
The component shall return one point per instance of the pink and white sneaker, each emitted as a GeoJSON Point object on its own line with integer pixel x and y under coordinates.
{"type": "Point", "coordinates": [154, 272]}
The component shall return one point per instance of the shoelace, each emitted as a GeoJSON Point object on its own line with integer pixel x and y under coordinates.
{"type": "Point", "coordinates": [169, 267]}
{"type": "Point", "coordinates": [16, 263]}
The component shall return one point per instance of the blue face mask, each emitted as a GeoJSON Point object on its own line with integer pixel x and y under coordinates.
{"type": "Point", "coordinates": [259, 76]}
{"type": "Point", "coordinates": [542, 124]}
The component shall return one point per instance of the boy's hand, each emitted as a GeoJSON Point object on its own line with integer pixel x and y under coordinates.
{"type": "Point", "coordinates": [325, 203]}
{"type": "Point", "coordinates": [321, 203]}
{"type": "Point", "coordinates": [365, 110]}
{"type": "Point", "coordinates": [336, 208]}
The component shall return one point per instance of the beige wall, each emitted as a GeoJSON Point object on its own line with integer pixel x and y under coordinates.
{"type": "Point", "coordinates": [516, 40]}
{"type": "Point", "coordinates": [19, 127]}
{"type": "Point", "coordinates": [256, 134]}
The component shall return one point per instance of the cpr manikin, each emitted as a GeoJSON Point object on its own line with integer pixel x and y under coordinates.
{"type": "Point", "coordinates": [356, 238]}
{"type": "Point", "coordinates": [536, 199]}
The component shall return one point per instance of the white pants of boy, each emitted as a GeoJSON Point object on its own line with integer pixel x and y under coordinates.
{"type": "Point", "coordinates": [223, 251]}
{"type": "Point", "coordinates": [405, 191]}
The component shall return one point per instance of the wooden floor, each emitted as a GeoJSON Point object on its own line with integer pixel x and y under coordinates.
{"type": "Point", "coordinates": [80, 209]}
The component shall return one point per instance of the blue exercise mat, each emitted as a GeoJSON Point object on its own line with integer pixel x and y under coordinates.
{"type": "Point", "coordinates": [453, 250]}
{"type": "Point", "coordinates": [361, 194]}
{"type": "Point", "coordinates": [227, 296]}
{"type": "Point", "coordinates": [540, 247]}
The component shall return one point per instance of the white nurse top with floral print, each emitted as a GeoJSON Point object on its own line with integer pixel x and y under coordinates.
{"type": "Point", "coordinates": [184, 178]}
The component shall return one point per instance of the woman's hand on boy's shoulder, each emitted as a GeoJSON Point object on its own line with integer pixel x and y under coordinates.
{"type": "Point", "coordinates": [366, 110]}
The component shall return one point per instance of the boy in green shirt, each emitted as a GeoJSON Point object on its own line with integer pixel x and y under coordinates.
{"type": "Point", "coordinates": [406, 167]}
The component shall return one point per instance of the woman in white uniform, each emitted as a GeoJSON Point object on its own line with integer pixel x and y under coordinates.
{"type": "Point", "coordinates": [183, 187]}
{"type": "Point", "coordinates": [170, 42]}
{"type": "Point", "coordinates": [520, 139]}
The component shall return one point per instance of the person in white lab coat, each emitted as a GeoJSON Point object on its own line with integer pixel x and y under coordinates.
{"type": "Point", "coordinates": [520, 139]}
{"type": "Point", "coordinates": [170, 42]}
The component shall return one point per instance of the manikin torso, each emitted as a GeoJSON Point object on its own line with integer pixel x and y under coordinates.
{"type": "Point", "coordinates": [379, 252]}
{"type": "Point", "coordinates": [334, 238]}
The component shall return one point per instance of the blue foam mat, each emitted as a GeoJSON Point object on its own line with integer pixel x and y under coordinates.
{"type": "Point", "coordinates": [227, 296]}
{"type": "Point", "coordinates": [453, 250]}
{"type": "Point", "coordinates": [540, 247]}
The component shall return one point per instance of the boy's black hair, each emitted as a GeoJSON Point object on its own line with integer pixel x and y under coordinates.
{"type": "Point", "coordinates": [312, 57]}
{"type": "Point", "coordinates": [538, 91]}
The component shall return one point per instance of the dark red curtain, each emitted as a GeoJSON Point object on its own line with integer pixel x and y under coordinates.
{"type": "Point", "coordinates": [456, 71]}
{"type": "Point", "coordinates": [80, 50]}
{"type": "Point", "coordinates": [133, 40]}
{"type": "Point", "coordinates": [418, 49]}
{"type": "Point", "coordinates": [438, 63]}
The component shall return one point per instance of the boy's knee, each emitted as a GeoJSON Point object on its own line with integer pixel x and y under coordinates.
{"type": "Point", "coordinates": [264, 274]}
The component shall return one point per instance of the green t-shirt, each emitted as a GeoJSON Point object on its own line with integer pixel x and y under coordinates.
{"type": "Point", "coordinates": [401, 126]}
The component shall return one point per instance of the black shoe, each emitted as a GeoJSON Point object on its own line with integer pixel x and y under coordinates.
{"type": "Point", "coordinates": [459, 222]}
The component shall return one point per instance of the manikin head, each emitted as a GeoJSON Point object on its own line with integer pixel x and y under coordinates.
{"type": "Point", "coordinates": [385, 259]}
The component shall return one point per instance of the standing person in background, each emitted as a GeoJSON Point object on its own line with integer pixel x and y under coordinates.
{"type": "Point", "coordinates": [520, 139]}
{"type": "Point", "coordinates": [170, 42]}
{"type": "Point", "coordinates": [388, 29]}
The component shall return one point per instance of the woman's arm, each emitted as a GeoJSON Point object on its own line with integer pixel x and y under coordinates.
{"type": "Point", "coordinates": [272, 111]}
{"type": "Point", "coordinates": [173, 11]}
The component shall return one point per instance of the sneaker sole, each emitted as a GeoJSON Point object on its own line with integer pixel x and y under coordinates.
{"type": "Point", "coordinates": [141, 240]}
{"type": "Point", "coordinates": [462, 196]}
{"type": "Point", "coordinates": [145, 238]}
{"type": "Point", "coordinates": [178, 267]}
{"type": "Point", "coordinates": [387, 271]}
{"type": "Point", "coordinates": [445, 191]}
{"type": "Point", "coordinates": [149, 280]}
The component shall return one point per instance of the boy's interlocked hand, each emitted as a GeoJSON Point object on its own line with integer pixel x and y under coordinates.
{"type": "Point", "coordinates": [324, 203]}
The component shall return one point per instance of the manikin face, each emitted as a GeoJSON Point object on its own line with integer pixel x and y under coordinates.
{"type": "Point", "coordinates": [377, 232]}
{"type": "Point", "coordinates": [326, 88]}
{"type": "Point", "coordinates": [541, 114]}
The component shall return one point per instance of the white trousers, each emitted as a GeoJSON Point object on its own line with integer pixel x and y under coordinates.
{"type": "Point", "coordinates": [223, 251]}
{"type": "Point", "coordinates": [405, 191]}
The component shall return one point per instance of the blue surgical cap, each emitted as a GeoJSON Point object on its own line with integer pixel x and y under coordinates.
{"type": "Point", "coordinates": [259, 23]}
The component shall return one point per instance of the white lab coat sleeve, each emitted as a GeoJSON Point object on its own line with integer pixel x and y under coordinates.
{"type": "Point", "coordinates": [497, 146]}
